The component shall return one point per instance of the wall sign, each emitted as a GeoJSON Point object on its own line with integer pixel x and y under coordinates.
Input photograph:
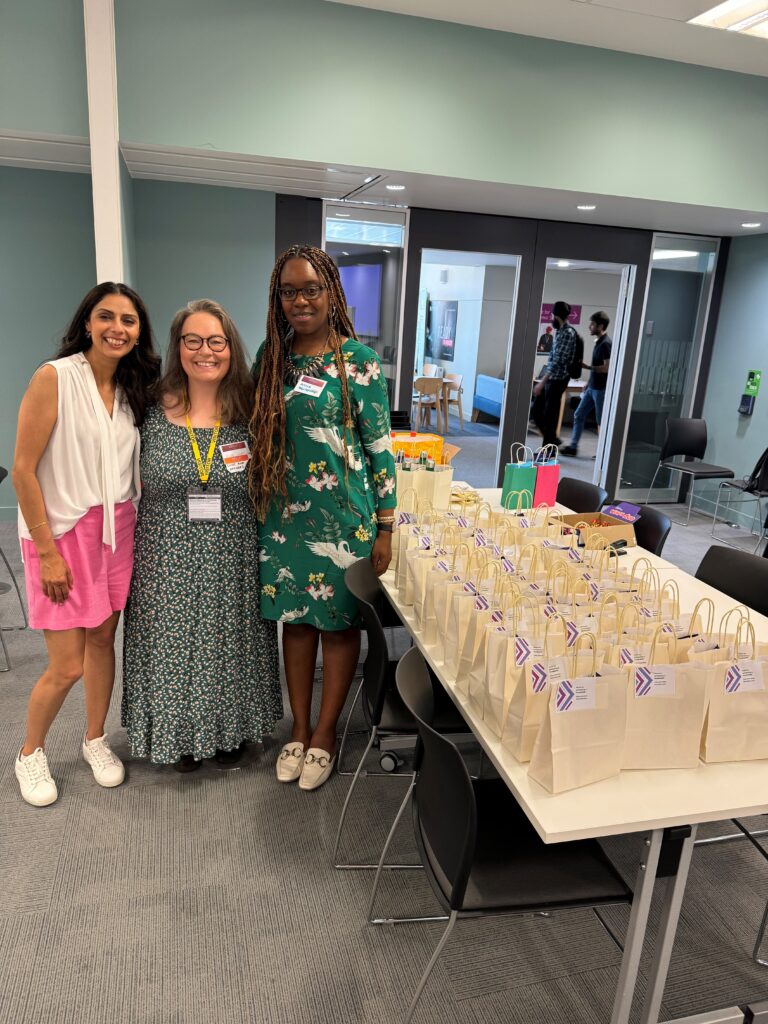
{"type": "Point", "coordinates": [574, 317]}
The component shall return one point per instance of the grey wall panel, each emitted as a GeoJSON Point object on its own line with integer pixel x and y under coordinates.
{"type": "Point", "coordinates": [297, 220]}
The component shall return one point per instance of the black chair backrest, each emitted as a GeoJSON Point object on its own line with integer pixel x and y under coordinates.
{"type": "Point", "coordinates": [363, 584]}
{"type": "Point", "coordinates": [580, 495]}
{"type": "Point", "coordinates": [400, 420]}
{"type": "Point", "coordinates": [685, 437]}
{"type": "Point", "coordinates": [757, 479]}
{"type": "Point", "coordinates": [652, 529]}
{"type": "Point", "coordinates": [443, 799]}
{"type": "Point", "coordinates": [3, 473]}
{"type": "Point", "coordinates": [738, 574]}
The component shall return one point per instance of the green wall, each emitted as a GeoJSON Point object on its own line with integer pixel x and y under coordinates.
{"type": "Point", "coordinates": [310, 80]}
{"type": "Point", "coordinates": [741, 344]}
{"type": "Point", "coordinates": [42, 67]}
{"type": "Point", "coordinates": [126, 224]}
{"type": "Point", "coordinates": [47, 264]}
{"type": "Point", "coordinates": [199, 241]}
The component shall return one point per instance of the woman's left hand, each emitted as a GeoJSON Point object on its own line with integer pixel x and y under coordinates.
{"type": "Point", "coordinates": [381, 555]}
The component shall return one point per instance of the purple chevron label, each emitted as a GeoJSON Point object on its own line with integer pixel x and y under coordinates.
{"type": "Point", "coordinates": [481, 541]}
{"type": "Point", "coordinates": [522, 651]}
{"type": "Point", "coordinates": [425, 541]}
{"type": "Point", "coordinates": [462, 522]}
{"type": "Point", "coordinates": [497, 616]}
{"type": "Point", "coordinates": [594, 590]}
{"type": "Point", "coordinates": [443, 566]}
{"type": "Point", "coordinates": [626, 656]}
{"type": "Point", "coordinates": [497, 552]}
{"type": "Point", "coordinates": [643, 682]}
{"type": "Point", "coordinates": [404, 518]}
{"type": "Point", "coordinates": [470, 588]}
{"type": "Point", "coordinates": [733, 679]}
{"type": "Point", "coordinates": [538, 677]}
{"type": "Point", "coordinates": [572, 632]}
{"type": "Point", "coordinates": [564, 697]}
{"type": "Point", "coordinates": [481, 603]}
{"type": "Point", "coordinates": [646, 612]}
{"type": "Point", "coordinates": [574, 555]}
{"type": "Point", "coordinates": [507, 565]}
{"type": "Point", "coordinates": [549, 610]}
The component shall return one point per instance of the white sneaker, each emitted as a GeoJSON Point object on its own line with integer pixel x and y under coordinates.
{"type": "Point", "coordinates": [37, 786]}
{"type": "Point", "coordinates": [107, 767]}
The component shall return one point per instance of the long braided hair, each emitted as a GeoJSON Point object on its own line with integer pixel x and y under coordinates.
{"type": "Point", "coordinates": [268, 464]}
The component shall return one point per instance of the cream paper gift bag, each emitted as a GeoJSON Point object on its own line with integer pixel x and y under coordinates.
{"type": "Point", "coordinates": [440, 587]}
{"type": "Point", "coordinates": [506, 655]}
{"type": "Point", "coordinates": [581, 739]}
{"type": "Point", "coordinates": [666, 705]}
{"type": "Point", "coordinates": [736, 727]}
{"type": "Point", "coordinates": [480, 582]}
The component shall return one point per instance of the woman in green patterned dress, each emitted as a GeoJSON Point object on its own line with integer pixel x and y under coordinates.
{"type": "Point", "coordinates": [201, 669]}
{"type": "Point", "coordinates": [322, 478]}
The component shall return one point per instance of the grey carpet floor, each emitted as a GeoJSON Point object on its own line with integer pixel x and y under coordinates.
{"type": "Point", "coordinates": [210, 898]}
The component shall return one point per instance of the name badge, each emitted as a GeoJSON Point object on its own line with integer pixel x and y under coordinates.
{"type": "Point", "coordinates": [311, 386]}
{"type": "Point", "coordinates": [204, 506]}
{"type": "Point", "coordinates": [235, 456]}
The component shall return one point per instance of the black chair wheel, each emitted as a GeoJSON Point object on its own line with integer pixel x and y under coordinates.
{"type": "Point", "coordinates": [389, 761]}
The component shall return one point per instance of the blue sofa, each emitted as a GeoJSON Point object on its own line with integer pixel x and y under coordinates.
{"type": "Point", "coordinates": [489, 394]}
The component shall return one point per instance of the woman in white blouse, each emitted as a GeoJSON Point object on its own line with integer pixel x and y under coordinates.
{"type": "Point", "coordinates": [76, 477]}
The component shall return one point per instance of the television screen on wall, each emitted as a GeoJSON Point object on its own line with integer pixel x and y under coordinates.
{"type": "Point", "coordinates": [362, 287]}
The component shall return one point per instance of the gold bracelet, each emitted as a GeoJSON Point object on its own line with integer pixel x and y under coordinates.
{"type": "Point", "coordinates": [31, 528]}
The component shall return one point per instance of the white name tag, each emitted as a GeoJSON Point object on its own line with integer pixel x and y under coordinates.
{"type": "Point", "coordinates": [311, 386]}
{"type": "Point", "coordinates": [575, 695]}
{"type": "Point", "coordinates": [235, 455]}
{"type": "Point", "coordinates": [744, 676]}
{"type": "Point", "coordinates": [203, 506]}
{"type": "Point", "coordinates": [652, 681]}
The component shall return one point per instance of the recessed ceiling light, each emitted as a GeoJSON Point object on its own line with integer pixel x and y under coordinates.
{"type": "Point", "coordinates": [395, 188]}
{"type": "Point", "coordinates": [674, 254]}
{"type": "Point", "coordinates": [331, 170]}
{"type": "Point", "coordinates": [752, 224]}
{"type": "Point", "coordinates": [563, 263]}
{"type": "Point", "coordinates": [369, 178]}
{"type": "Point", "coordinates": [386, 250]}
{"type": "Point", "coordinates": [586, 206]}
{"type": "Point", "coordinates": [337, 214]}
{"type": "Point", "coordinates": [736, 16]}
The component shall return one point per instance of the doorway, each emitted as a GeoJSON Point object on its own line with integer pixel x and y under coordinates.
{"type": "Point", "coordinates": [466, 310]}
{"type": "Point", "coordinates": [591, 289]}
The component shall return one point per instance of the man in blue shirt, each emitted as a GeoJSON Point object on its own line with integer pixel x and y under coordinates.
{"type": "Point", "coordinates": [594, 393]}
{"type": "Point", "coordinates": [548, 391]}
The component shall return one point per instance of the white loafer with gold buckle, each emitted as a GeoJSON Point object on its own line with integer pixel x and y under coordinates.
{"type": "Point", "coordinates": [290, 761]}
{"type": "Point", "coordinates": [318, 765]}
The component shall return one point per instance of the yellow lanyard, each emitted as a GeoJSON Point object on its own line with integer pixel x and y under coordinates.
{"type": "Point", "coordinates": [203, 471]}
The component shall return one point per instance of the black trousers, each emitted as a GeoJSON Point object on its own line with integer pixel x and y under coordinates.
{"type": "Point", "coordinates": [545, 410]}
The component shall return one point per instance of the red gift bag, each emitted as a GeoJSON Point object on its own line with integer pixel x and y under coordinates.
{"type": "Point", "coordinates": [547, 479]}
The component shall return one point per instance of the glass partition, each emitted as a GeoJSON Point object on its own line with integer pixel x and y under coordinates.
{"type": "Point", "coordinates": [368, 246]}
{"type": "Point", "coordinates": [676, 311]}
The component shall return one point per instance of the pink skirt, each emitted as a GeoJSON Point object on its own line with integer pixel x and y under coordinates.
{"type": "Point", "coordinates": [101, 577]}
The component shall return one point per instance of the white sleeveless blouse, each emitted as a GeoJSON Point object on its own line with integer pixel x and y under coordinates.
{"type": "Point", "coordinates": [91, 458]}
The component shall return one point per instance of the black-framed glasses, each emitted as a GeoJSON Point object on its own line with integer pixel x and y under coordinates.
{"type": "Point", "coordinates": [216, 342]}
{"type": "Point", "coordinates": [310, 291]}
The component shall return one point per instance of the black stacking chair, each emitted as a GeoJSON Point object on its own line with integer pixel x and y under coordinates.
{"type": "Point", "coordinates": [752, 490]}
{"type": "Point", "coordinates": [385, 714]}
{"type": "Point", "coordinates": [738, 574]}
{"type": "Point", "coordinates": [580, 495]}
{"type": "Point", "coordinates": [480, 853]}
{"type": "Point", "coordinates": [652, 529]}
{"type": "Point", "coordinates": [4, 588]}
{"type": "Point", "coordinates": [688, 437]}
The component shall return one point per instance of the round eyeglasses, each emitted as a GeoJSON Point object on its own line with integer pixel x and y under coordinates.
{"type": "Point", "coordinates": [216, 343]}
{"type": "Point", "coordinates": [310, 291]}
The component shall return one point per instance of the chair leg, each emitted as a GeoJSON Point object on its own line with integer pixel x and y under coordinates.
{"type": "Point", "coordinates": [690, 501]}
{"type": "Point", "coordinates": [461, 413]}
{"type": "Point", "coordinates": [653, 481]}
{"type": "Point", "coordinates": [380, 866]}
{"type": "Point", "coordinates": [717, 506]}
{"type": "Point", "coordinates": [352, 785]}
{"type": "Point", "coordinates": [346, 728]}
{"type": "Point", "coordinates": [18, 593]}
{"type": "Point", "coordinates": [760, 936]}
{"type": "Point", "coordinates": [8, 665]}
{"type": "Point", "coordinates": [425, 976]}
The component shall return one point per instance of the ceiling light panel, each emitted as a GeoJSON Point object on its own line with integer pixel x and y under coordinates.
{"type": "Point", "coordinates": [749, 17]}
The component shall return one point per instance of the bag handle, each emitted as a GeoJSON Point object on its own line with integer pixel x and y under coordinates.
{"type": "Point", "coordinates": [534, 552]}
{"type": "Point", "coordinates": [555, 617]}
{"type": "Point", "coordinates": [660, 631]}
{"type": "Point", "coordinates": [402, 502]}
{"type": "Point", "coordinates": [507, 505]}
{"type": "Point", "coordinates": [482, 506]}
{"type": "Point", "coordinates": [740, 609]}
{"type": "Point", "coordinates": [461, 546]}
{"type": "Point", "coordinates": [709, 604]}
{"type": "Point", "coordinates": [577, 644]}
{"type": "Point", "coordinates": [608, 599]}
{"type": "Point", "coordinates": [514, 453]}
{"type": "Point", "coordinates": [557, 571]}
{"type": "Point", "coordinates": [622, 628]}
{"type": "Point", "coordinates": [639, 563]}
{"type": "Point", "coordinates": [506, 587]}
{"type": "Point", "coordinates": [674, 590]}
{"type": "Point", "coordinates": [745, 623]}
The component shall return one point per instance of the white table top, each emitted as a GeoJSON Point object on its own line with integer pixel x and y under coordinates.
{"type": "Point", "coordinates": [633, 801]}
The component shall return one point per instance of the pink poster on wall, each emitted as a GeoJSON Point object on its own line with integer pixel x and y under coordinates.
{"type": "Point", "coordinates": [574, 317]}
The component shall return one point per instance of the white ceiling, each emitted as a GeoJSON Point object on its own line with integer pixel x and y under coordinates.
{"type": "Point", "coordinates": [348, 184]}
{"type": "Point", "coordinates": [656, 28]}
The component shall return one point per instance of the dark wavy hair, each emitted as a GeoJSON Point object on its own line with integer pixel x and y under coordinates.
{"type": "Point", "coordinates": [236, 388]}
{"type": "Point", "coordinates": [138, 372]}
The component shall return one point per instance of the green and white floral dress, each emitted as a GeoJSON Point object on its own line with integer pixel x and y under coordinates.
{"type": "Point", "coordinates": [332, 521]}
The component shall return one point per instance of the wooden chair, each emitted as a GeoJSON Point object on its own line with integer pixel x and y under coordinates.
{"type": "Point", "coordinates": [430, 370]}
{"type": "Point", "coordinates": [452, 396]}
{"type": "Point", "coordinates": [428, 395]}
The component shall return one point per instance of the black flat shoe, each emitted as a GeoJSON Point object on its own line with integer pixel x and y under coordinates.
{"type": "Point", "coordinates": [228, 756]}
{"type": "Point", "coordinates": [187, 763]}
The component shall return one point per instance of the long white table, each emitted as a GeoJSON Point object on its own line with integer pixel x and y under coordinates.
{"type": "Point", "coordinates": [665, 805]}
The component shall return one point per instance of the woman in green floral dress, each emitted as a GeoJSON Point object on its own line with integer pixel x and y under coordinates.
{"type": "Point", "coordinates": [323, 482]}
{"type": "Point", "coordinates": [201, 671]}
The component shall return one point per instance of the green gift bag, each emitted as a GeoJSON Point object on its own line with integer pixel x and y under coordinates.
{"type": "Point", "coordinates": [519, 476]}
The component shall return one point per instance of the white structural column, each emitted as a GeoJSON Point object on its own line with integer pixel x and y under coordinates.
{"type": "Point", "coordinates": [101, 66]}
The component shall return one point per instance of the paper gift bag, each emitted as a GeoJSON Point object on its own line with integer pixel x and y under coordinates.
{"type": "Point", "coordinates": [519, 474]}
{"type": "Point", "coordinates": [547, 476]}
{"type": "Point", "coordinates": [736, 727]}
{"type": "Point", "coordinates": [666, 704]}
{"type": "Point", "coordinates": [463, 609]}
{"type": "Point", "coordinates": [439, 588]}
{"type": "Point", "coordinates": [473, 682]}
{"type": "Point", "coordinates": [581, 739]}
{"type": "Point", "coordinates": [431, 485]}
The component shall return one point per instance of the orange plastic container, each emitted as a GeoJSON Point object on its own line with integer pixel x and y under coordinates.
{"type": "Point", "coordinates": [412, 445]}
